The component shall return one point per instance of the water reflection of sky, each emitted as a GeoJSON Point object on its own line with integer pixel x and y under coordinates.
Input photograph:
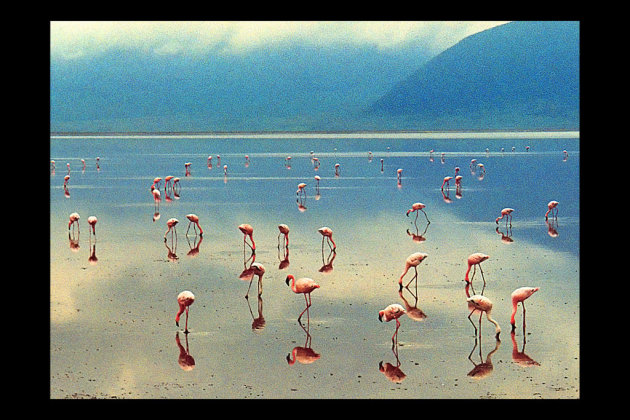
{"type": "Point", "coordinates": [124, 304]}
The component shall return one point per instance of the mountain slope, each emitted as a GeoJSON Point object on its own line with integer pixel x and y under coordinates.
{"type": "Point", "coordinates": [517, 75]}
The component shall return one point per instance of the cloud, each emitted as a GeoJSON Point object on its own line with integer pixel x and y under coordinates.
{"type": "Point", "coordinates": [77, 39]}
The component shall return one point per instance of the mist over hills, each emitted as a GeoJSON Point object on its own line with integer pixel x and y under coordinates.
{"type": "Point", "coordinates": [521, 75]}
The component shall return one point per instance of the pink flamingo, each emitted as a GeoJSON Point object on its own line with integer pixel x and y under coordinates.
{"type": "Point", "coordinates": [156, 182]}
{"type": "Point", "coordinates": [98, 166]}
{"type": "Point", "coordinates": [317, 178]}
{"type": "Point", "coordinates": [68, 166]}
{"type": "Point", "coordinates": [552, 208]}
{"type": "Point", "coordinates": [381, 165]}
{"type": "Point", "coordinates": [74, 218]}
{"type": "Point", "coordinates": [52, 164]}
{"type": "Point", "coordinates": [336, 169]}
{"type": "Point", "coordinates": [412, 261]}
{"type": "Point", "coordinates": [193, 218]}
{"type": "Point", "coordinates": [284, 230]}
{"type": "Point", "coordinates": [398, 175]}
{"type": "Point", "coordinates": [446, 181]}
{"type": "Point", "coordinates": [393, 311]}
{"type": "Point", "coordinates": [246, 158]}
{"type": "Point", "coordinates": [456, 171]}
{"type": "Point", "coordinates": [156, 195]}
{"type": "Point", "coordinates": [176, 182]}
{"type": "Point", "coordinates": [257, 269]}
{"type": "Point", "coordinates": [316, 163]}
{"type": "Point", "coordinates": [92, 222]}
{"type": "Point", "coordinates": [415, 207]}
{"type": "Point", "coordinates": [326, 233]}
{"type": "Point", "coordinates": [65, 180]}
{"type": "Point", "coordinates": [83, 164]}
{"type": "Point", "coordinates": [167, 181]}
{"type": "Point", "coordinates": [248, 230]}
{"type": "Point", "coordinates": [184, 299]}
{"type": "Point", "coordinates": [305, 286]}
{"type": "Point", "coordinates": [475, 260]}
{"type": "Point", "coordinates": [301, 190]}
{"type": "Point", "coordinates": [483, 304]}
{"type": "Point", "coordinates": [507, 213]}
{"type": "Point", "coordinates": [171, 223]}
{"type": "Point", "coordinates": [187, 167]}
{"type": "Point", "coordinates": [218, 160]}
{"type": "Point", "coordinates": [225, 170]}
{"type": "Point", "coordinates": [519, 295]}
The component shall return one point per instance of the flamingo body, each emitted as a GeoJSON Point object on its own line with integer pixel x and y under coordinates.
{"type": "Point", "coordinates": [550, 208]}
{"type": "Point", "coordinates": [193, 218]}
{"type": "Point", "coordinates": [483, 304]}
{"type": "Point", "coordinates": [520, 295]}
{"type": "Point", "coordinates": [184, 300]}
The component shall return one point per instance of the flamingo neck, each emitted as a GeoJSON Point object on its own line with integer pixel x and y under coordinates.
{"type": "Point", "coordinates": [468, 271]}
{"type": "Point", "coordinates": [514, 307]}
{"type": "Point", "coordinates": [497, 329]}
{"type": "Point", "coordinates": [182, 308]}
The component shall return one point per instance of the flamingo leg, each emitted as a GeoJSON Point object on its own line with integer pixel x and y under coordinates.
{"type": "Point", "coordinates": [305, 309]}
{"type": "Point", "coordinates": [188, 228]}
{"type": "Point", "coordinates": [250, 285]}
{"type": "Point", "coordinates": [484, 279]}
{"type": "Point", "coordinates": [186, 327]}
{"type": "Point", "coordinates": [471, 321]}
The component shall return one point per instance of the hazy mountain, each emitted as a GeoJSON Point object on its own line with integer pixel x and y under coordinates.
{"type": "Point", "coordinates": [517, 75]}
{"type": "Point", "coordinates": [295, 88]}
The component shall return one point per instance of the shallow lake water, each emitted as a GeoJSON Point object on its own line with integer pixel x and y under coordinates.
{"type": "Point", "coordinates": [113, 295]}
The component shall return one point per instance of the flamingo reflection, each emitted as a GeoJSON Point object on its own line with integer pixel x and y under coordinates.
{"type": "Point", "coordinates": [300, 203]}
{"type": "Point", "coordinates": [446, 196]}
{"type": "Point", "coordinates": [194, 248]}
{"type": "Point", "coordinates": [552, 228]}
{"type": "Point", "coordinates": [171, 251]}
{"type": "Point", "coordinates": [413, 312]}
{"type": "Point", "coordinates": [284, 258]}
{"type": "Point", "coordinates": [303, 354]}
{"type": "Point", "coordinates": [392, 372]}
{"type": "Point", "coordinates": [185, 360]}
{"type": "Point", "coordinates": [506, 237]}
{"type": "Point", "coordinates": [417, 236]}
{"type": "Point", "coordinates": [520, 357]}
{"type": "Point", "coordinates": [66, 192]}
{"type": "Point", "coordinates": [258, 322]}
{"type": "Point", "coordinates": [327, 265]}
{"type": "Point", "coordinates": [73, 241]}
{"type": "Point", "coordinates": [92, 259]}
{"type": "Point", "coordinates": [482, 369]}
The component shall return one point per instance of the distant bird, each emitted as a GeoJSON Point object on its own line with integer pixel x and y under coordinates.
{"type": "Point", "coordinates": [412, 260]}
{"type": "Point", "coordinates": [398, 175]}
{"type": "Point", "coordinates": [74, 218]}
{"type": "Point", "coordinates": [519, 295]}
{"type": "Point", "coordinates": [393, 311]}
{"type": "Point", "coordinates": [317, 178]}
{"type": "Point", "coordinates": [83, 164]}
{"type": "Point", "coordinates": [193, 218]}
{"type": "Point", "coordinates": [456, 171]}
{"type": "Point", "coordinates": [65, 180]}
{"type": "Point", "coordinates": [300, 189]}
{"type": "Point", "coordinates": [225, 170]}
{"type": "Point", "coordinates": [302, 285]}
{"type": "Point", "coordinates": [483, 304]}
{"type": "Point", "coordinates": [52, 163]}
{"type": "Point", "coordinates": [552, 208]}
{"type": "Point", "coordinates": [248, 230]}
{"type": "Point", "coordinates": [171, 223]}
{"type": "Point", "coordinates": [187, 167]}
{"type": "Point", "coordinates": [257, 269]}
{"type": "Point", "coordinates": [326, 233]}
{"type": "Point", "coordinates": [156, 182]}
{"type": "Point", "coordinates": [92, 222]}
{"type": "Point", "coordinates": [446, 181]}
{"type": "Point", "coordinates": [415, 207]}
{"type": "Point", "coordinates": [284, 230]}
{"type": "Point", "coordinates": [507, 213]}
{"type": "Point", "coordinates": [167, 181]}
{"type": "Point", "coordinates": [336, 169]}
{"type": "Point", "coordinates": [475, 260]}
{"type": "Point", "coordinates": [184, 299]}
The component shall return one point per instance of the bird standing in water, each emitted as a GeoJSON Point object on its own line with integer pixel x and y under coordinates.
{"type": "Point", "coordinates": [393, 311]}
{"type": "Point", "coordinates": [519, 295]}
{"type": "Point", "coordinates": [552, 208]}
{"type": "Point", "coordinates": [483, 304]}
{"type": "Point", "coordinates": [305, 286]}
{"type": "Point", "coordinates": [415, 207]}
{"type": "Point", "coordinates": [412, 261]}
{"type": "Point", "coordinates": [193, 218]}
{"type": "Point", "coordinates": [248, 230]}
{"type": "Point", "coordinates": [327, 234]}
{"type": "Point", "coordinates": [184, 299]}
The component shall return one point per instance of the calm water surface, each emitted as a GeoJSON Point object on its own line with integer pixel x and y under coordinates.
{"type": "Point", "coordinates": [113, 297]}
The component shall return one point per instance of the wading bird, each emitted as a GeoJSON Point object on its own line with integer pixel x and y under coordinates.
{"type": "Point", "coordinates": [184, 299]}
{"type": "Point", "coordinates": [326, 233]}
{"type": "Point", "coordinates": [393, 311]}
{"type": "Point", "coordinates": [302, 285]}
{"type": "Point", "coordinates": [507, 213]}
{"type": "Point", "coordinates": [412, 261]}
{"type": "Point", "coordinates": [248, 230]}
{"type": "Point", "coordinates": [446, 181]}
{"type": "Point", "coordinates": [552, 207]}
{"type": "Point", "coordinates": [483, 304]}
{"type": "Point", "coordinates": [193, 218]}
{"type": "Point", "coordinates": [519, 295]}
{"type": "Point", "coordinates": [475, 260]}
{"type": "Point", "coordinates": [415, 207]}
{"type": "Point", "coordinates": [171, 223]}
{"type": "Point", "coordinates": [74, 218]}
{"type": "Point", "coordinates": [92, 222]}
{"type": "Point", "coordinates": [284, 230]}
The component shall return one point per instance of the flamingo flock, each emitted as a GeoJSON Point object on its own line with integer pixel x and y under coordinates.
{"type": "Point", "coordinates": [305, 286]}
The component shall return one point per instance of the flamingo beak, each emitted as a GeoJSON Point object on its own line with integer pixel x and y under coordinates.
{"type": "Point", "coordinates": [287, 281]}
{"type": "Point", "coordinates": [380, 317]}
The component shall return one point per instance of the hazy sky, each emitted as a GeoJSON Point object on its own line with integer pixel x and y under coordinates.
{"type": "Point", "coordinates": [70, 40]}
